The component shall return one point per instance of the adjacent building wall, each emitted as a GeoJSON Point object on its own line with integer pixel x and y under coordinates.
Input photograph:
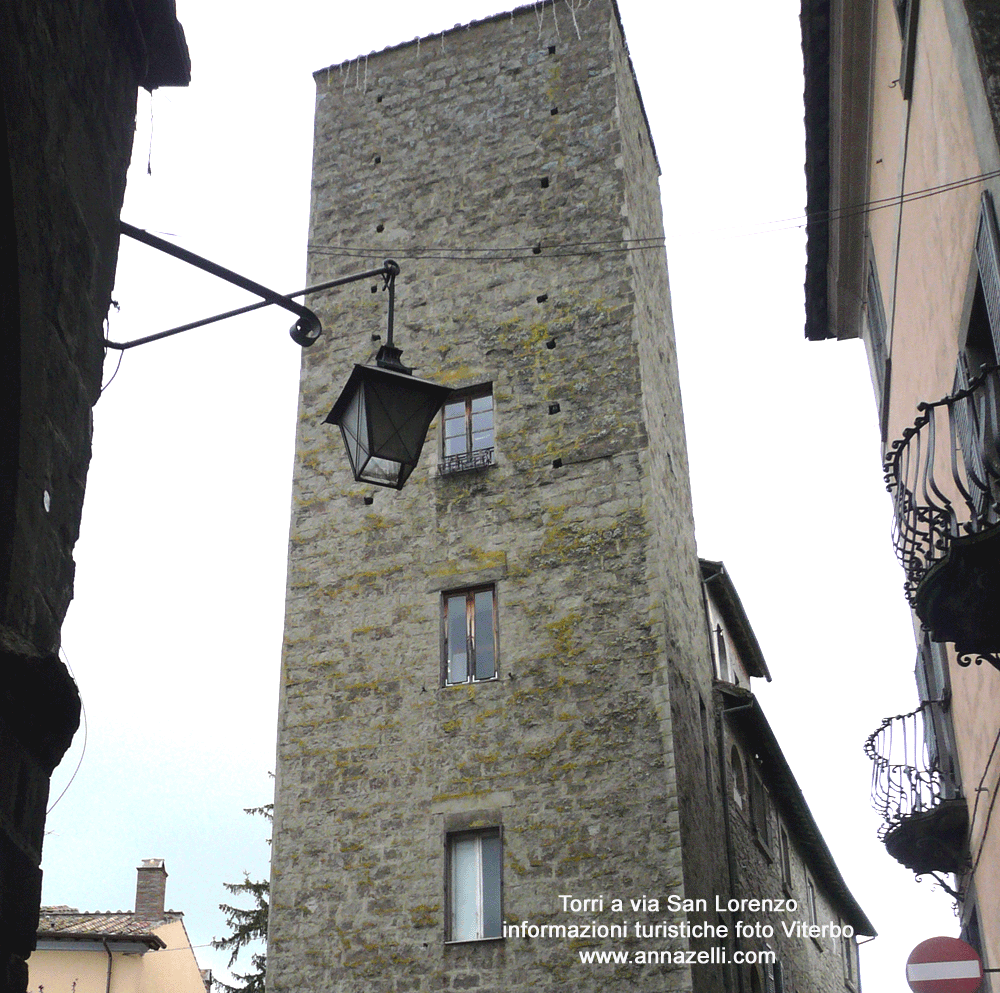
{"type": "Point", "coordinates": [81, 966]}
{"type": "Point", "coordinates": [69, 79]}
{"type": "Point", "coordinates": [808, 963]}
{"type": "Point", "coordinates": [923, 250]}
{"type": "Point", "coordinates": [928, 297]}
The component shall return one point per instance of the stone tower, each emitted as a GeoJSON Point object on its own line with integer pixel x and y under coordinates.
{"type": "Point", "coordinates": [491, 679]}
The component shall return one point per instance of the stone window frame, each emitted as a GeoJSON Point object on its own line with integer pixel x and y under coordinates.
{"type": "Point", "coordinates": [451, 884]}
{"type": "Point", "coordinates": [473, 636]}
{"type": "Point", "coordinates": [472, 457]}
{"type": "Point", "coordinates": [773, 981]}
{"type": "Point", "coordinates": [812, 907]}
{"type": "Point", "coordinates": [760, 810]}
{"type": "Point", "coordinates": [849, 953]}
{"type": "Point", "coordinates": [723, 669]}
{"type": "Point", "coordinates": [785, 859]}
{"type": "Point", "coordinates": [739, 782]}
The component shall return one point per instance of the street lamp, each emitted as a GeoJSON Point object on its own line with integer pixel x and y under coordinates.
{"type": "Point", "coordinates": [384, 411]}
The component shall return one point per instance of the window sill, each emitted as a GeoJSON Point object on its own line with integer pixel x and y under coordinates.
{"type": "Point", "coordinates": [472, 682]}
{"type": "Point", "coordinates": [472, 941]}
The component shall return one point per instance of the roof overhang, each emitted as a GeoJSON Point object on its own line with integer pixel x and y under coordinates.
{"type": "Point", "coordinates": [727, 600]}
{"type": "Point", "coordinates": [837, 60]}
{"type": "Point", "coordinates": [137, 945]}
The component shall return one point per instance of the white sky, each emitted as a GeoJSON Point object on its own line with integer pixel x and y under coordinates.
{"type": "Point", "coordinates": [175, 632]}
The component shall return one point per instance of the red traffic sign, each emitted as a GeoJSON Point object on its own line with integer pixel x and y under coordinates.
{"type": "Point", "coordinates": [944, 965]}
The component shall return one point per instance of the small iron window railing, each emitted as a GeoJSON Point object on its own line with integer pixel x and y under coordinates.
{"type": "Point", "coordinates": [466, 460]}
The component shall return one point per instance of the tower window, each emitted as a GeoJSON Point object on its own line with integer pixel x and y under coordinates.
{"type": "Point", "coordinates": [760, 809]}
{"type": "Point", "coordinates": [785, 853]}
{"type": "Point", "coordinates": [470, 635]}
{"type": "Point", "coordinates": [721, 654]}
{"type": "Point", "coordinates": [739, 781]}
{"type": "Point", "coordinates": [849, 950]}
{"type": "Point", "coordinates": [468, 431]}
{"type": "Point", "coordinates": [474, 886]}
{"type": "Point", "coordinates": [811, 909]}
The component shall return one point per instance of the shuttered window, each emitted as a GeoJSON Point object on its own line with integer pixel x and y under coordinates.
{"type": "Point", "coordinates": [760, 808]}
{"type": "Point", "coordinates": [878, 340]}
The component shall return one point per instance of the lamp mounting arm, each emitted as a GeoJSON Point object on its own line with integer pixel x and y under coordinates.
{"type": "Point", "coordinates": [306, 329]}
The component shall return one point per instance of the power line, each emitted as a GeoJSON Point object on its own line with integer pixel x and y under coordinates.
{"type": "Point", "coordinates": [512, 253]}
{"type": "Point", "coordinates": [573, 249]}
{"type": "Point", "coordinates": [83, 751]}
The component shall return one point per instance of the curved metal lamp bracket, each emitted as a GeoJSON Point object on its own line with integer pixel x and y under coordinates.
{"type": "Point", "coordinates": [307, 327]}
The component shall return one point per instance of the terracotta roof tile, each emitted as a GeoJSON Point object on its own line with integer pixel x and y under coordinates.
{"type": "Point", "coordinates": [67, 922]}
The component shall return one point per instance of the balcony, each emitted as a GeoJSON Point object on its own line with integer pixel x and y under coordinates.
{"type": "Point", "coordinates": [915, 788]}
{"type": "Point", "coordinates": [944, 479]}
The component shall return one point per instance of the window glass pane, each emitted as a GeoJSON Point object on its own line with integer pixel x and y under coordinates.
{"type": "Point", "coordinates": [480, 404]}
{"type": "Point", "coordinates": [458, 659]}
{"type": "Point", "coordinates": [492, 858]}
{"type": "Point", "coordinates": [453, 426]}
{"type": "Point", "coordinates": [482, 430]}
{"type": "Point", "coordinates": [454, 410]}
{"type": "Point", "coordinates": [457, 445]}
{"type": "Point", "coordinates": [486, 664]}
{"type": "Point", "coordinates": [464, 889]}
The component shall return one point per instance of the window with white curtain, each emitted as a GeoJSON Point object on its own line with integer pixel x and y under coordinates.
{"type": "Point", "coordinates": [474, 892]}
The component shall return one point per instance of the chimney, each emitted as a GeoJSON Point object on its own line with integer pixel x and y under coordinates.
{"type": "Point", "coordinates": [150, 889]}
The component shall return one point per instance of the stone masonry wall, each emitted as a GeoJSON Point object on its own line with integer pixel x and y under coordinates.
{"type": "Point", "coordinates": [809, 965]}
{"type": "Point", "coordinates": [684, 678]}
{"type": "Point", "coordinates": [491, 162]}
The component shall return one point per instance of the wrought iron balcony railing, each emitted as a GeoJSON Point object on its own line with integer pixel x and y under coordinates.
{"type": "Point", "coordinates": [478, 459]}
{"type": "Point", "coordinates": [916, 790]}
{"type": "Point", "coordinates": [944, 479]}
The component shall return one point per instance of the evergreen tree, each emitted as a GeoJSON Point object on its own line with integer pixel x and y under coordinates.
{"type": "Point", "coordinates": [247, 925]}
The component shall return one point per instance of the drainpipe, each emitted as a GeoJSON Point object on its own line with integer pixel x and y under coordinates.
{"type": "Point", "coordinates": [107, 987]}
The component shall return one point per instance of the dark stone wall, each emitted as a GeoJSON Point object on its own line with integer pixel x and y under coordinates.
{"type": "Point", "coordinates": [69, 97]}
{"type": "Point", "coordinates": [809, 965]}
{"type": "Point", "coordinates": [70, 71]}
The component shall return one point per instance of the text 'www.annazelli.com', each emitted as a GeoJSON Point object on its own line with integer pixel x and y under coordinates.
{"type": "Point", "coordinates": [648, 956]}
